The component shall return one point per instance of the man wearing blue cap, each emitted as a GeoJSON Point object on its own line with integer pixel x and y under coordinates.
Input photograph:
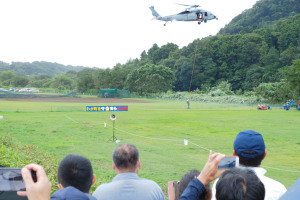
{"type": "Point", "coordinates": [249, 146]}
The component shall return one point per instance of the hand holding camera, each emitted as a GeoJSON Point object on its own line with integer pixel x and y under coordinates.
{"type": "Point", "coordinates": [35, 189]}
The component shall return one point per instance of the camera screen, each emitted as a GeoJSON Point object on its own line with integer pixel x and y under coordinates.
{"type": "Point", "coordinates": [228, 162]}
{"type": "Point", "coordinates": [11, 179]}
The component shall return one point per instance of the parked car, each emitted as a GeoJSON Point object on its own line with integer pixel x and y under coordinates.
{"type": "Point", "coordinates": [29, 90]}
{"type": "Point", "coordinates": [13, 89]}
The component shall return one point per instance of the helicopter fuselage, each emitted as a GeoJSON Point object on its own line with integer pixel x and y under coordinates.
{"type": "Point", "coordinates": [194, 15]}
{"type": "Point", "coordinates": [187, 15]}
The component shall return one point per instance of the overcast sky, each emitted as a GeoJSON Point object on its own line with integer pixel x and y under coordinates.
{"type": "Point", "coordinates": [96, 33]}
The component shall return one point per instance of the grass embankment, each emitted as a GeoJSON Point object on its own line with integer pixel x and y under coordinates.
{"type": "Point", "coordinates": [158, 130]}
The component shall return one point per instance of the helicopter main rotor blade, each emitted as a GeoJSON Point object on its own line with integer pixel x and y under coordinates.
{"type": "Point", "coordinates": [192, 6]}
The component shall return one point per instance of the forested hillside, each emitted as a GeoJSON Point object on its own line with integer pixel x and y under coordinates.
{"type": "Point", "coordinates": [263, 13]}
{"type": "Point", "coordinates": [37, 68]}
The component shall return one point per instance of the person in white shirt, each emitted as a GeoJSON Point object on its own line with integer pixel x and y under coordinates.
{"type": "Point", "coordinates": [249, 146]}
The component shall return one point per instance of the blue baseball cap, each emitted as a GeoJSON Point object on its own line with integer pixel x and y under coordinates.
{"type": "Point", "coordinates": [249, 144]}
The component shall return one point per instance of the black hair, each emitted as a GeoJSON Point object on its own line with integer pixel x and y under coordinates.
{"type": "Point", "coordinates": [251, 162]}
{"type": "Point", "coordinates": [185, 180]}
{"type": "Point", "coordinates": [75, 170]}
{"type": "Point", "coordinates": [126, 156]}
{"type": "Point", "coordinates": [240, 184]}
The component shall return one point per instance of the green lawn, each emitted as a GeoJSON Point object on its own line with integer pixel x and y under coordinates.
{"type": "Point", "coordinates": [158, 130]}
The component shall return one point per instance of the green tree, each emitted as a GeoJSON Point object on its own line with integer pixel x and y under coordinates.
{"type": "Point", "coordinates": [40, 81]}
{"type": "Point", "coordinates": [102, 79]}
{"type": "Point", "coordinates": [293, 78]}
{"type": "Point", "coordinates": [85, 80]}
{"type": "Point", "coordinates": [20, 81]}
{"type": "Point", "coordinates": [62, 82]}
{"type": "Point", "coordinates": [151, 52]}
{"type": "Point", "coordinates": [253, 77]}
{"type": "Point", "coordinates": [183, 73]}
{"type": "Point", "coordinates": [7, 77]}
{"type": "Point", "coordinates": [150, 79]}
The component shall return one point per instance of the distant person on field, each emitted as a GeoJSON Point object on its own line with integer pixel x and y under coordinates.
{"type": "Point", "coordinates": [249, 146]}
{"type": "Point", "coordinates": [126, 185]}
{"type": "Point", "coordinates": [75, 177]}
{"type": "Point", "coordinates": [287, 106]}
{"type": "Point", "coordinates": [206, 195]}
{"type": "Point", "coordinates": [258, 107]}
{"type": "Point", "coordinates": [239, 184]}
{"type": "Point", "coordinates": [188, 103]}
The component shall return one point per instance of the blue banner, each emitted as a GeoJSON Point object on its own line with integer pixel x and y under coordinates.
{"type": "Point", "coordinates": [106, 108]}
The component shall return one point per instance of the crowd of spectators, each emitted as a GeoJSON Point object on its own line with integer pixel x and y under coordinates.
{"type": "Point", "coordinates": [75, 177]}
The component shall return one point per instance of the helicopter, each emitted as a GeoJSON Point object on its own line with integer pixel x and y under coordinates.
{"type": "Point", "coordinates": [192, 13]}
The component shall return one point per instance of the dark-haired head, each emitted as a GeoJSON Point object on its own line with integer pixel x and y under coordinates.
{"type": "Point", "coordinates": [251, 162]}
{"type": "Point", "coordinates": [206, 195]}
{"type": "Point", "coordinates": [75, 170]}
{"type": "Point", "coordinates": [126, 157]}
{"type": "Point", "coordinates": [240, 184]}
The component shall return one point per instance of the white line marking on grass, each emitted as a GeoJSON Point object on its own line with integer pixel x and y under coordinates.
{"type": "Point", "coordinates": [71, 119]}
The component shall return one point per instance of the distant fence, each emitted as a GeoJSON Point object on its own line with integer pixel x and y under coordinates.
{"type": "Point", "coordinates": [114, 93]}
{"type": "Point", "coordinates": [6, 94]}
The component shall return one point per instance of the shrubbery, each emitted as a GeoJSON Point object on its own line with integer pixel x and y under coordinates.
{"type": "Point", "coordinates": [274, 92]}
{"type": "Point", "coordinates": [221, 93]}
{"type": "Point", "coordinates": [213, 96]}
{"type": "Point", "coordinates": [15, 154]}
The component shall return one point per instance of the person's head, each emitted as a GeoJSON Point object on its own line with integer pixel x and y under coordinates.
{"type": "Point", "coordinates": [185, 181]}
{"type": "Point", "coordinates": [239, 184]}
{"type": "Point", "coordinates": [75, 170]}
{"type": "Point", "coordinates": [249, 146]}
{"type": "Point", "coordinates": [126, 158]}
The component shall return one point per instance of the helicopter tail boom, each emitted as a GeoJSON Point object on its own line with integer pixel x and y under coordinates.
{"type": "Point", "coordinates": [154, 13]}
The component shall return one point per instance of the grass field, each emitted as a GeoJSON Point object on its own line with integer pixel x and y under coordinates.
{"type": "Point", "coordinates": [158, 129]}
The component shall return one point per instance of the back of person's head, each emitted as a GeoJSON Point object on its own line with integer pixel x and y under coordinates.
{"type": "Point", "coordinates": [249, 145]}
{"type": "Point", "coordinates": [206, 195]}
{"type": "Point", "coordinates": [126, 156]}
{"type": "Point", "coordinates": [240, 184]}
{"type": "Point", "coordinates": [75, 170]}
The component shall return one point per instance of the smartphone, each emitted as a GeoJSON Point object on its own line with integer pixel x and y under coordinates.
{"type": "Point", "coordinates": [11, 179]}
{"type": "Point", "coordinates": [229, 162]}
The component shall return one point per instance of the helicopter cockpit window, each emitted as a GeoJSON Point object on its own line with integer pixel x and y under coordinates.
{"type": "Point", "coordinates": [184, 12]}
{"type": "Point", "coordinates": [205, 13]}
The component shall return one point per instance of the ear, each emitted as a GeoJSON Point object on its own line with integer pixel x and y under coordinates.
{"type": "Point", "coordinates": [60, 186]}
{"type": "Point", "coordinates": [234, 153]}
{"type": "Point", "coordinates": [265, 154]}
{"type": "Point", "coordinates": [113, 166]}
{"type": "Point", "coordinates": [94, 179]}
{"type": "Point", "coordinates": [138, 166]}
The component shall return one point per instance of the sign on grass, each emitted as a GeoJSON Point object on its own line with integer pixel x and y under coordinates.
{"type": "Point", "coordinates": [106, 108]}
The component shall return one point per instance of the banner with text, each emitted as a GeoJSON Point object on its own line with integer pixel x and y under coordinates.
{"type": "Point", "coordinates": [106, 108]}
